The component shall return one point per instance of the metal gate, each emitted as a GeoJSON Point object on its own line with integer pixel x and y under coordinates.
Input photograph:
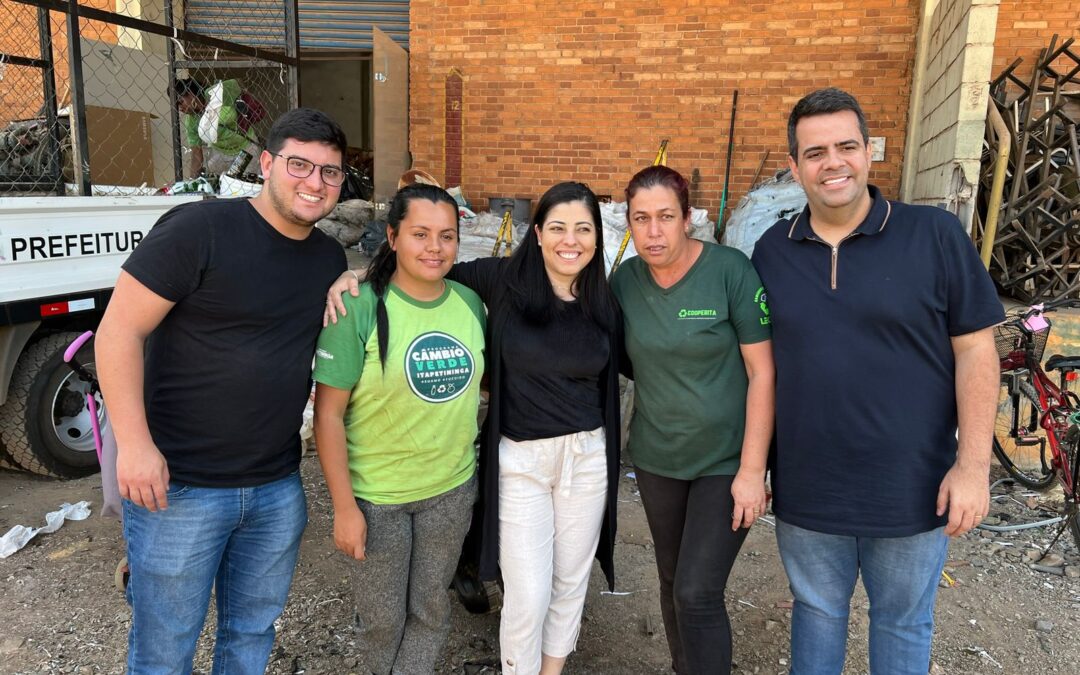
{"type": "Point", "coordinates": [324, 24]}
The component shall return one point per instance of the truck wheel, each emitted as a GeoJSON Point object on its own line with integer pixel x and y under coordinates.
{"type": "Point", "coordinates": [5, 460]}
{"type": "Point", "coordinates": [45, 425]}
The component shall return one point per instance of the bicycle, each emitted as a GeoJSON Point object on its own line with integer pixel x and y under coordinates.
{"type": "Point", "coordinates": [104, 443]}
{"type": "Point", "coordinates": [1037, 430]}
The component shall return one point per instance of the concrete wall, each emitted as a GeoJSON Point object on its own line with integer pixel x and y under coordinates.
{"type": "Point", "coordinates": [341, 89]}
{"type": "Point", "coordinates": [945, 138]}
{"type": "Point", "coordinates": [587, 89]}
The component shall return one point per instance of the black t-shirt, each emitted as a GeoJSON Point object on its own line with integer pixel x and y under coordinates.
{"type": "Point", "coordinates": [551, 383]}
{"type": "Point", "coordinates": [228, 371]}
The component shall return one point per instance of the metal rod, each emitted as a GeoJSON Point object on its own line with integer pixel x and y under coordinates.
{"type": "Point", "coordinates": [150, 27]}
{"type": "Point", "coordinates": [727, 169]}
{"type": "Point", "coordinates": [760, 166]}
{"type": "Point", "coordinates": [997, 189]}
{"type": "Point", "coordinates": [660, 160]}
{"type": "Point", "coordinates": [80, 144]}
{"type": "Point", "coordinates": [54, 164]}
{"type": "Point", "coordinates": [235, 63]}
{"type": "Point", "coordinates": [174, 113]}
{"type": "Point", "coordinates": [16, 60]}
{"type": "Point", "coordinates": [292, 50]}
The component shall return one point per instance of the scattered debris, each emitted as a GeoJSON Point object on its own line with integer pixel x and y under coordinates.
{"type": "Point", "coordinates": [20, 535]}
{"type": "Point", "coordinates": [979, 651]}
{"type": "Point", "coordinates": [1049, 570]}
{"type": "Point", "coordinates": [77, 547]}
{"type": "Point", "coordinates": [348, 221]}
{"type": "Point", "coordinates": [776, 198]}
{"type": "Point", "coordinates": [11, 643]}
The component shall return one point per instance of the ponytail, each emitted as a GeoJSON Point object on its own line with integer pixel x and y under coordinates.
{"type": "Point", "coordinates": [379, 271]}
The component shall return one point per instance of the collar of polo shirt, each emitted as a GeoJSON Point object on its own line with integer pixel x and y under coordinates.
{"type": "Point", "coordinates": [873, 223]}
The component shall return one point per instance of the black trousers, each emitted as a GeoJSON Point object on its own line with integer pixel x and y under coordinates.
{"type": "Point", "coordinates": [690, 522]}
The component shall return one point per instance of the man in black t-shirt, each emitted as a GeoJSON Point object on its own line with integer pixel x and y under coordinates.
{"type": "Point", "coordinates": [224, 298]}
{"type": "Point", "coordinates": [882, 320]}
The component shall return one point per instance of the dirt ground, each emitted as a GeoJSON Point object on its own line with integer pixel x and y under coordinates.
{"type": "Point", "coordinates": [62, 614]}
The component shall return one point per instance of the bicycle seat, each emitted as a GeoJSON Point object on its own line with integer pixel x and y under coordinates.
{"type": "Point", "coordinates": [1064, 362]}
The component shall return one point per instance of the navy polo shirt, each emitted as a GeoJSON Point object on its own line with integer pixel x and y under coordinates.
{"type": "Point", "coordinates": [865, 393]}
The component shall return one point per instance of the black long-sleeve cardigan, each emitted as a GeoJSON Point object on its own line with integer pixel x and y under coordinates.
{"type": "Point", "coordinates": [487, 276]}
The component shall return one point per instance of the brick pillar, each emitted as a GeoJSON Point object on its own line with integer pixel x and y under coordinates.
{"type": "Point", "coordinates": [454, 89]}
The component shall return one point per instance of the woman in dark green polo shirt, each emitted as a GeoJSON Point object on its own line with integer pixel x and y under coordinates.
{"type": "Point", "coordinates": [698, 336]}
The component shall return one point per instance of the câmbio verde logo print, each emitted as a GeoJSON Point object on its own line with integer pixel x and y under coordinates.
{"type": "Point", "coordinates": [438, 367]}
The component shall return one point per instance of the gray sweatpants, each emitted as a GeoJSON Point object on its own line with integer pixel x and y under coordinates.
{"type": "Point", "coordinates": [402, 602]}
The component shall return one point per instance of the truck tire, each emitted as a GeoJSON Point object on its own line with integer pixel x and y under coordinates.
{"type": "Point", "coordinates": [5, 460]}
{"type": "Point", "coordinates": [45, 423]}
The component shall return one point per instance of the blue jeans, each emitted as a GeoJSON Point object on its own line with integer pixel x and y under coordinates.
{"type": "Point", "coordinates": [901, 579]}
{"type": "Point", "coordinates": [242, 542]}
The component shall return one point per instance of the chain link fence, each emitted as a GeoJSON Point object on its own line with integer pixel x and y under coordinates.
{"type": "Point", "coordinates": [130, 96]}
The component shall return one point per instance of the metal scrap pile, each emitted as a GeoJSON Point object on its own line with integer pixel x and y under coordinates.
{"type": "Point", "coordinates": [25, 152]}
{"type": "Point", "coordinates": [1036, 247]}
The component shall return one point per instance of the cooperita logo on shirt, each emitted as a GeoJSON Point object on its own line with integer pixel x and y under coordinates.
{"type": "Point", "coordinates": [438, 367]}
{"type": "Point", "coordinates": [697, 313]}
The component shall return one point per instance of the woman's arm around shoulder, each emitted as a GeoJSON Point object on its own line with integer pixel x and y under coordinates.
{"type": "Point", "coordinates": [483, 275]}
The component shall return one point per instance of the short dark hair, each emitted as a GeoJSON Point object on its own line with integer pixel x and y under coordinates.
{"type": "Point", "coordinates": [528, 283]}
{"type": "Point", "coordinates": [662, 176]}
{"type": "Point", "coordinates": [823, 102]}
{"type": "Point", "coordinates": [186, 86]}
{"type": "Point", "coordinates": [306, 125]}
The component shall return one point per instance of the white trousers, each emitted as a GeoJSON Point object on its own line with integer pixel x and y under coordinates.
{"type": "Point", "coordinates": [552, 494]}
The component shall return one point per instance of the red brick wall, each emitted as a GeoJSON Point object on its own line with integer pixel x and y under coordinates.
{"type": "Point", "coordinates": [586, 89]}
{"type": "Point", "coordinates": [1024, 28]}
{"type": "Point", "coordinates": [21, 91]}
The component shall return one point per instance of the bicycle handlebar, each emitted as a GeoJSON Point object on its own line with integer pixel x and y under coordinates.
{"type": "Point", "coordinates": [1048, 306]}
{"type": "Point", "coordinates": [74, 347]}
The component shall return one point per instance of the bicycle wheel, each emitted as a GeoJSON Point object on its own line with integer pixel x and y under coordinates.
{"type": "Point", "coordinates": [1072, 455]}
{"type": "Point", "coordinates": [1025, 462]}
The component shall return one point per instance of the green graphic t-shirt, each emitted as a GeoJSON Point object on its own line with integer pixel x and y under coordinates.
{"type": "Point", "coordinates": [689, 378]}
{"type": "Point", "coordinates": [409, 429]}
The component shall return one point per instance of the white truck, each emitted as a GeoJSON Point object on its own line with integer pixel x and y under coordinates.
{"type": "Point", "coordinates": [59, 259]}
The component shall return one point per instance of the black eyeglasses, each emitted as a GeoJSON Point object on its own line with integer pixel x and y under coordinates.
{"type": "Point", "coordinates": [298, 167]}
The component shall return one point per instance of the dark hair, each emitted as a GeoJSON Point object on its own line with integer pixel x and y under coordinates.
{"type": "Point", "coordinates": [384, 264]}
{"type": "Point", "coordinates": [186, 86]}
{"type": "Point", "coordinates": [823, 102]}
{"type": "Point", "coordinates": [306, 124]}
{"type": "Point", "coordinates": [527, 280]}
{"type": "Point", "coordinates": [662, 176]}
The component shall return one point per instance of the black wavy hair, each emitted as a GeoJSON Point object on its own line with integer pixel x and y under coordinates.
{"type": "Point", "coordinates": [527, 280]}
{"type": "Point", "coordinates": [384, 264]}
{"type": "Point", "coordinates": [306, 124]}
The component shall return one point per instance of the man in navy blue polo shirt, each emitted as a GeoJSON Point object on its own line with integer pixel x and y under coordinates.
{"type": "Point", "coordinates": [882, 317]}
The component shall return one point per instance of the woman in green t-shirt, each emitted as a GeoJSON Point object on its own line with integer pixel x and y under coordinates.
{"type": "Point", "coordinates": [398, 380]}
{"type": "Point", "coordinates": [697, 334]}
{"type": "Point", "coordinates": [549, 450]}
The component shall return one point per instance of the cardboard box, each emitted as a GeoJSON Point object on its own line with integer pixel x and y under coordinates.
{"type": "Point", "coordinates": [121, 147]}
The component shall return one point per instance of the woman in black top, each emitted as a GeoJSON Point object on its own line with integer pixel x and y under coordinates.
{"type": "Point", "coordinates": [549, 453]}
